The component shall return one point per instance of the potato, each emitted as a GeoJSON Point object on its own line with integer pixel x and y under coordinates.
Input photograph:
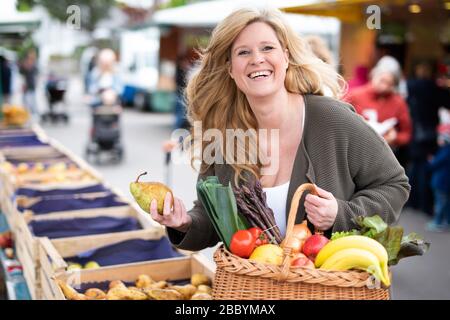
{"type": "Point", "coordinates": [69, 292]}
{"type": "Point", "coordinates": [164, 294]}
{"type": "Point", "coordinates": [144, 281]}
{"type": "Point", "coordinates": [95, 294]}
{"type": "Point", "coordinates": [136, 294]}
{"type": "Point", "coordinates": [117, 284]}
{"type": "Point", "coordinates": [118, 293]}
{"type": "Point", "coordinates": [159, 285]}
{"type": "Point", "coordinates": [186, 291]}
{"type": "Point", "coordinates": [199, 279]}
{"type": "Point", "coordinates": [204, 288]}
{"type": "Point", "coordinates": [201, 296]}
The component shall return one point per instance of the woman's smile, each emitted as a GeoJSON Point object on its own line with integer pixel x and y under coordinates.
{"type": "Point", "coordinates": [260, 75]}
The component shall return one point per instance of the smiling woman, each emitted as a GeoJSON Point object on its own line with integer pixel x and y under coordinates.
{"type": "Point", "coordinates": [256, 74]}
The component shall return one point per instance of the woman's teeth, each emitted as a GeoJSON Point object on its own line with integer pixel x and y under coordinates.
{"type": "Point", "coordinates": [257, 74]}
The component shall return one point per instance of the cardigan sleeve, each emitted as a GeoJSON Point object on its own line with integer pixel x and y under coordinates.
{"type": "Point", "coordinates": [380, 184]}
{"type": "Point", "coordinates": [201, 234]}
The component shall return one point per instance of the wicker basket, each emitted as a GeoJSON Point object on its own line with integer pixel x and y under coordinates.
{"type": "Point", "coordinates": [243, 279]}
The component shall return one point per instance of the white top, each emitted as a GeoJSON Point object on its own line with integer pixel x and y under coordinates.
{"type": "Point", "coordinates": [277, 197]}
{"type": "Point", "coordinates": [276, 200]}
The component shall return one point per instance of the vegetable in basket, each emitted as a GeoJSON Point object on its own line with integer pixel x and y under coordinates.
{"type": "Point", "coordinates": [300, 233]}
{"type": "Point", "coordinates": [244, 242]}
{"type": "Point", "coordinates": [220, 206]}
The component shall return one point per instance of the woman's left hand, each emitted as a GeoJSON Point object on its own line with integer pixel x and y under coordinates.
{"type": "Point", "coordinates": [321, 210]}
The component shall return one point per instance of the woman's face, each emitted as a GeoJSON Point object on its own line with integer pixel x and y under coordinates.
{"type": "Point", "coordinates": [258, 61]}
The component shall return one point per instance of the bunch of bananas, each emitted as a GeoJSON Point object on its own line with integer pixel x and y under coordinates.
{"type": "Point", "coordinates": [15, 115]}
{"type": "Point", "coordinates": [355, 252]}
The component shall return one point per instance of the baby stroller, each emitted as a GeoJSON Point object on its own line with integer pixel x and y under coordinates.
{"type": "Point", "coordinates": [55, 91]}
{"type": "Point", "coordinates": [105, 134]}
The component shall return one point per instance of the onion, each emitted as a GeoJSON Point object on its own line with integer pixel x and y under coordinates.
{"type": "Point", "coordinates": [299, 235]}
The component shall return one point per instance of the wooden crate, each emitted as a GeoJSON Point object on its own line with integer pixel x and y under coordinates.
{"type": "Point", "coordinates": [30, 152]}
{"type": "Point", "coordinates": [167, 269]}
{"type": "Point", "coordinates": [28, 245]}
{"type": "Point", "coordinates": [9, 201]}
{"type": "Point", "coordinates": [11, 182]}
{"type": "Point", "coordinates": [75, 158]}
{"type": "Point", "coordinates": [52, 253]}
{"type": "Point", "coordinates": [7, 207]}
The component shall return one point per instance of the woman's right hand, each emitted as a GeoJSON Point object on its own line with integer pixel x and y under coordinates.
{"type": "Point", "coordinates": [176, 217]}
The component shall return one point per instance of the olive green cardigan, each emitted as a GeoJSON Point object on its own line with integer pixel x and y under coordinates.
{"type": "Point", "coordinates": [338, 152]}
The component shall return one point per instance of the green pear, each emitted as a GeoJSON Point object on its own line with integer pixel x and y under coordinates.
{"type": "Point", "coordinates": [91, 265]}
{"type": "Point", "coordinates": [145, 192]}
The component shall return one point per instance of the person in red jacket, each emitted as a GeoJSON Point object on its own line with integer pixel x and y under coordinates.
{"type": "Point", "coordinates": [385, 109]}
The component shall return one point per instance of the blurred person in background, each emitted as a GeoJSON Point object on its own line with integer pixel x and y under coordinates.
{"type": "Point", "coordinates": [29, 70]}
{"type": "Point", "coordinates": [87, 64]}
{"type": "Point", "coordinates": [104, 77]}
{"type": "Point", "coordinates": [359, 79]}
{"type": "Point", "coordinates": [440, 181]}
{"type": "Point", "coordinates": [424, 99]}
{"type": "Point", "coordinates": [6, 79]}
{"type": "Point", "coordinates": [384, 108]}
{"type": "Point", "coordinates": [391, 64]}
{"type": "Point", "coordinates": [321, 51]}
{"type": "Point", "coordinates": [183, 68]}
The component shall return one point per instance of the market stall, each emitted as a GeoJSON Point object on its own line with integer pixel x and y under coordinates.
{"type": "Point", "coordinates": [65, 221]}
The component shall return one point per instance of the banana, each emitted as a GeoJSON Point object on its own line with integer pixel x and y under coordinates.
{"type": "Point", "coordinates": [357, 242]}
{"type": "Point", "coordinates": [353, 258]}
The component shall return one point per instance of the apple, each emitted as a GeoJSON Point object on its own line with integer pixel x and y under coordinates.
{"type": "Point", "coordinates": [300, 260]}
{"type": "Point", "coordinates": [313, 245]}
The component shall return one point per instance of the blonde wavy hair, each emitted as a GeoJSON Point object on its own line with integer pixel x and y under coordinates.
{"type": "Point", "coordinates": [214, 99]}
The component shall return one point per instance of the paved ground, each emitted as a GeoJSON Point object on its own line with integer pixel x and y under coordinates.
{"type": "Point", "coordinates": [425, 277]}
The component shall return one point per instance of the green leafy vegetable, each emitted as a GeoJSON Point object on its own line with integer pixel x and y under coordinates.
{"type": "Point", "coordinates": [411, 245]}
{"type": "Point", "coordinates": [220, 205]}
{"type": "Point", "coordinates": [371, 226]}
{"type": "Point", "coordinates": [341, 234]}
{"type": "Point", "coordinates": [396, 245]}
{"type": "Point", "coordinates": [391, 239]}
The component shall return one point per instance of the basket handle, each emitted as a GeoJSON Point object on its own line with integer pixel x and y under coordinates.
{"type": "Point", "coordinates": [290, 226]}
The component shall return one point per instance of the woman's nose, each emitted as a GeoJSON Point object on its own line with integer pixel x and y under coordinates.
{"type": "Point", "coordinates": [257, 58]}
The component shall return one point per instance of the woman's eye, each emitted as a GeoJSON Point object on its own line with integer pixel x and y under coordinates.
{"type": "Point", "coordinates": [267, 48]}
{"type": "Point", "coordinates": [243, 52]}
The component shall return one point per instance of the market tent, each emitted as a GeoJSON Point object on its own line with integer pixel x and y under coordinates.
{"type": "Point", "coordinates": [14, 25]}
{"type": "Point", "coordinates": [344, 10]}
{"type": "Point", "coordinates": [209, 13]}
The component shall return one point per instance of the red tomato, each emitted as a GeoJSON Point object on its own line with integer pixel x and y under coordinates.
{"type": "Point", "coordinates": [242, 243]}
{"type": "Point", "coordinates": [259, 235]}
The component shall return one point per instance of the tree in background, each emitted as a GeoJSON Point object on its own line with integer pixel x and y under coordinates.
{"type": "Point", "coordinates": [91, 11]}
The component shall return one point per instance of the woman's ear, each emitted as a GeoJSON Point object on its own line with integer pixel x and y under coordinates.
{"type": "Point", "coordinates": [229, 71]}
